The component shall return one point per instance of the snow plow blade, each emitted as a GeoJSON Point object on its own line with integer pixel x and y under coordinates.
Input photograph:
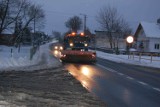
{"type": "Point", "coordinates": [78, 56]}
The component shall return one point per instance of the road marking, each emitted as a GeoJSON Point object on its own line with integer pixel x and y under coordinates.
{"type": "Point", "coordinates": [157, 89]}
{"type": "Point", "coordinates": [121, 74]}
{"type": "Point", "coordinates": [109, 69]}
{"type": "Point", "coordinates": [143, 83]}
{"type": "Point", "coordinates": [130, 78]}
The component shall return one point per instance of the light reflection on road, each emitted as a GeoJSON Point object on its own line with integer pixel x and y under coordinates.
{"type": "Point", "coordinates": [85, 74]}
{"type": "Point", "coordinates": [112, 87]}
{"type": "Point", "coordinates": [102, 84]}
{"type": "Point", "coordinates": [85, 70]}
{"type": "Point", "coordinates": [56, 53]}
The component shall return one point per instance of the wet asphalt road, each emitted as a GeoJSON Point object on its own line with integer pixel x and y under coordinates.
{"type": "Point", "coordinates": [118, 84]}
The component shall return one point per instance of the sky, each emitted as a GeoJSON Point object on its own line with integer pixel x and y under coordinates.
{"type": "Point", "coordinates": [133, 11]}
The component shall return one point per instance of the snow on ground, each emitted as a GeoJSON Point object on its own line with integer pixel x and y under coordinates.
{"type": "Point", "coordinates": [130, 60]}
{"type": "Point", "coordinates": [43, 59]}
{"type": "Point", "coordinates": [40, 88]}
{"type": "Point", "coordinates": [21, 60]}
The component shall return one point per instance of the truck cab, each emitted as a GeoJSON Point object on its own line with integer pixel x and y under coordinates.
{"type": "Point", "coordinates": [76, 48]}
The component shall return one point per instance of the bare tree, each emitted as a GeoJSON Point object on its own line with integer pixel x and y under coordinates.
{"type": "Point", "coordinates": [122, 31]}
{"type": "Point", "coordinates": [13, 12]}
{"type": "Point", "coordinates": [33, 14]}
{"type": "Point", "coordinates": [30, 15]}
{"type": "Point", "coordinates": [10, 11]}
{"type": "Point", "coordinates": [4, 16]}
{"type": "Point", "coordinates": [74, 23]}
{"type": "Point", "coordinates": [111, 22]}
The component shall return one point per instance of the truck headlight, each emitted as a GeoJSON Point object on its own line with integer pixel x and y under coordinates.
{"type": "Point", "coordinates": [61, 48]}
{"type": "Point", "coordinates": [56, 47]}
{"type": "Point", "coordinates": [71, 44]}
{"type": "Point", "coordinates": [85, 44]}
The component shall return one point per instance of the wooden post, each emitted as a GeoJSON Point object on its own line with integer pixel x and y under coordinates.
{"type": "Point", "coordinates": [140, 57]}
{"type": "Point", "coordinates": [11, 52]}
{"type": "Point", "coordinates": [133, 55]}
{"type": "Point", "coordinates": [151, 58]}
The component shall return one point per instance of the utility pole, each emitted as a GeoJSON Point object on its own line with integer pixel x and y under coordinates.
{"type": "Point", "coordinates": [85, 19]}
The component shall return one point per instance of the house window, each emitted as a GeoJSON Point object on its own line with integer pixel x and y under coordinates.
{"type": "Point", "coordinates": [157, 46]}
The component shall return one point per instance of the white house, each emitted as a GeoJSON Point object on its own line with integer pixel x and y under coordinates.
{"type": "Point", "coordinates": [148, 37]}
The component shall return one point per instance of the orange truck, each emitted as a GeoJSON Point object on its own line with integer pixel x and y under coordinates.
{"type": "Point", "coordinates": [76, 49]}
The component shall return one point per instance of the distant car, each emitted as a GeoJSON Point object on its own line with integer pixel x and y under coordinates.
{"type": "Point", "coordinates": [56, 46]}
{"type": "Point", "coordinates": [56, 49]}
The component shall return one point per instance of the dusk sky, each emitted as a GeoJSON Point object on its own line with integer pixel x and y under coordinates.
{"type": "Point", "coordinates": [133, 11]}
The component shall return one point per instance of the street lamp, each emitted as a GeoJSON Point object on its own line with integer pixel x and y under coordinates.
{"type": "Point", "coordinates": [129, 40]}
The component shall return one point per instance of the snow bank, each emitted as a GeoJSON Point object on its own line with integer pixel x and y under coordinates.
{"type": "Point", "coordinates": [43, 59]}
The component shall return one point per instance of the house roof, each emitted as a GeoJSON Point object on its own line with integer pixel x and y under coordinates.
{"type": "Point", "coordinates": [150, 29]}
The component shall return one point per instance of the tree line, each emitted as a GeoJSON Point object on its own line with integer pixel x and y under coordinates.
{"type": "Point", "coordinates": [114, 24]}
{"type": "Point", "coordinates": [110, 21]}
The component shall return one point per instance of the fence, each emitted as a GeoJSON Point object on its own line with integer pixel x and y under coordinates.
{"type": "Point", "coordinates": [145, 56]}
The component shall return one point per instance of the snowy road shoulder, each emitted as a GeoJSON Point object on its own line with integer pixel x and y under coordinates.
{"type": "Point", "coordinates": [44, 88]}
{"type": "Point", "coordinates": [124, 59]}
